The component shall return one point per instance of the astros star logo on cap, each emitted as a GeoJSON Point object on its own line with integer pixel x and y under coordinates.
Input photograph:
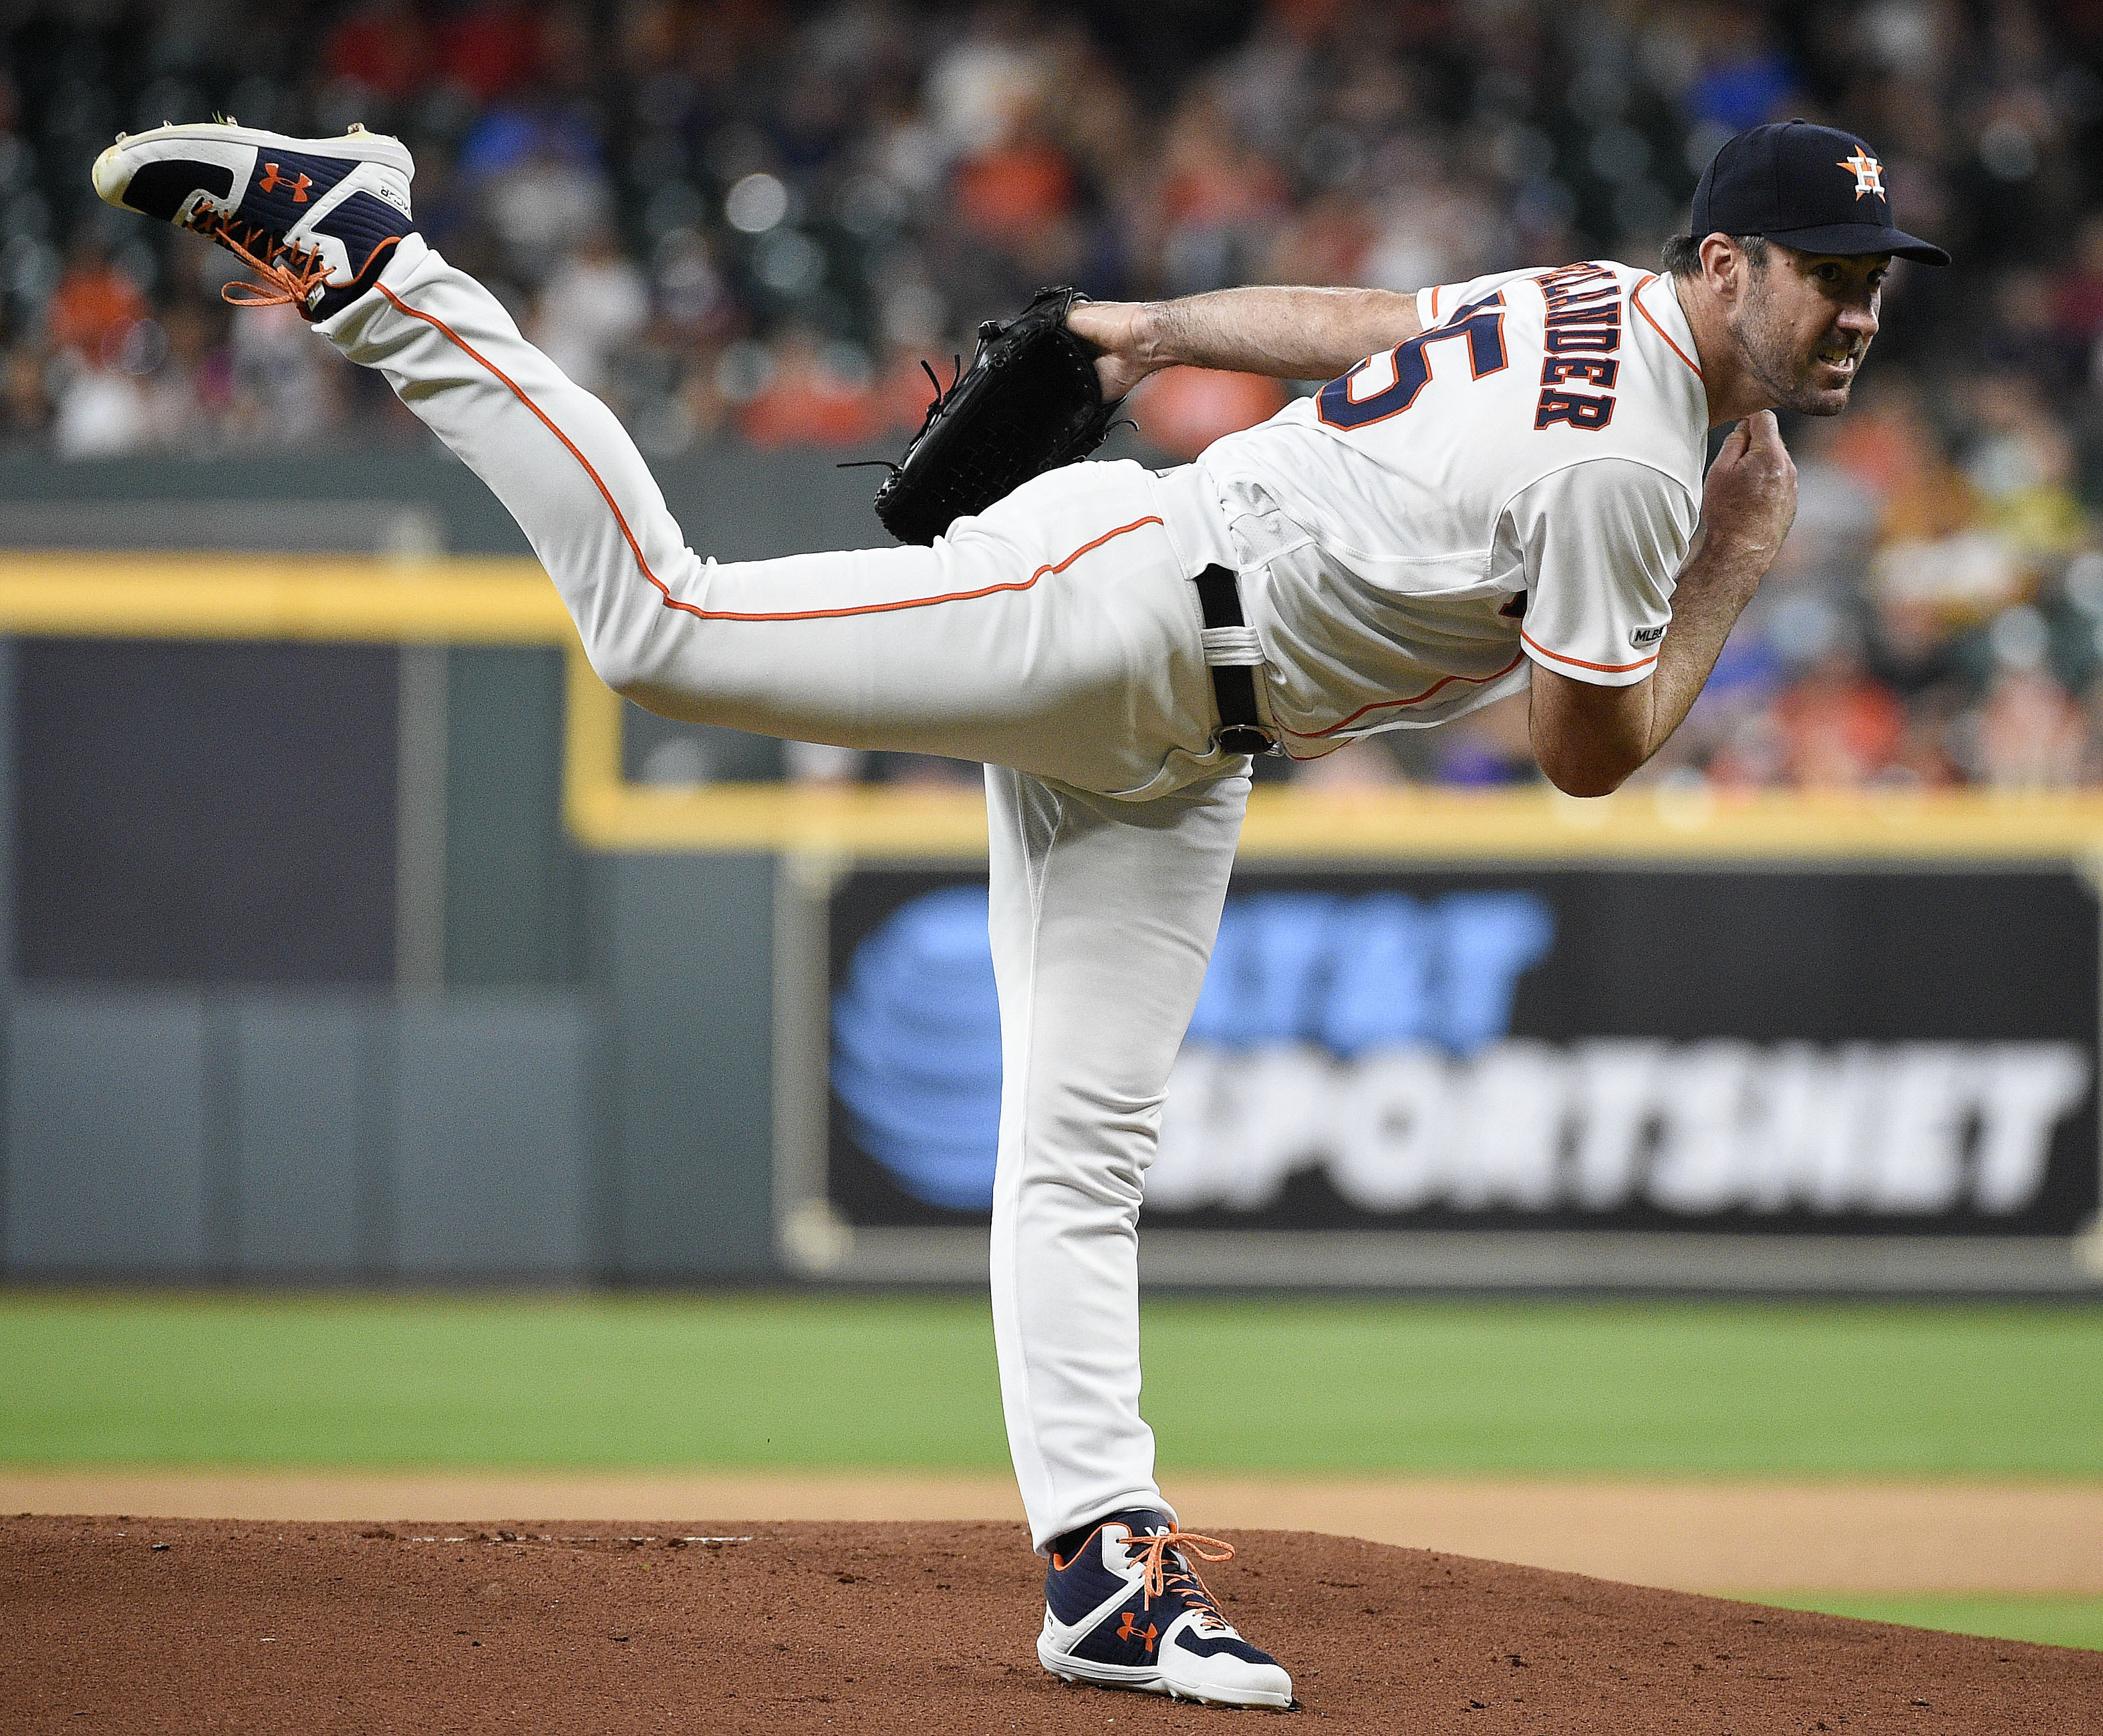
{"type": "Point", "coordinates": [1778, 180]}
{"type": "Point", "coordinates": [1869, 173]}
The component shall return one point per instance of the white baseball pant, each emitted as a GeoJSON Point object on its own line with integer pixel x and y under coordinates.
{"type": "Point", "coordinates": [1056, 639]}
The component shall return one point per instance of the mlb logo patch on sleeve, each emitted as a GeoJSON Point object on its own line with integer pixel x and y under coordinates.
{"type": "Point", "coordinates": [1646, 636]}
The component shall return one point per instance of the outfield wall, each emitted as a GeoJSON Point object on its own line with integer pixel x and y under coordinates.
{"type": "Point", "coordinates": [344, 942]}
{"type": "Point", "coordinates": [305, 975]}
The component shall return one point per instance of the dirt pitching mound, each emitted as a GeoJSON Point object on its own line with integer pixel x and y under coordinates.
{"type": "Point", "coordinates": [147, 1625]}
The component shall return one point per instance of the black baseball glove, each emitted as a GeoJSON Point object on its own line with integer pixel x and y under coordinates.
{"type": "Point", "coordinates": [1029, 402]}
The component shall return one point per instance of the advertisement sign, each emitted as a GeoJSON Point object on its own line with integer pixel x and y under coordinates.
{"type": "Point", "coordinates": [1745, 1052]}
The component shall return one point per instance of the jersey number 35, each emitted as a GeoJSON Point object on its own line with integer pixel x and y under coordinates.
{"type": "Point", "coordinates": [1385, 385]}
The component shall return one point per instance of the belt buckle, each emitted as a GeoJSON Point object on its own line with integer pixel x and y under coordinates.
{"type": "Point", "coordinates": [1245, 738]}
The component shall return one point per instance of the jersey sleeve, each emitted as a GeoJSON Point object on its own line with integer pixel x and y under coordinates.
{"type": "Point", "coordinates": [1598, 545]}
{"type": "Point", "coordinates": [1435, 305]}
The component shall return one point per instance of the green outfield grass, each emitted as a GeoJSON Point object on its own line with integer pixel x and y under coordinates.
{"type": "Point", "coordinates": [789, 1382]}
{"type": "Point", "coordinates": [2042, 1621]}
{"type": "Point", "coordinates": [766, 1381]}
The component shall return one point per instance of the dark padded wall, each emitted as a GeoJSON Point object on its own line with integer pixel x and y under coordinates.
{"type": "Point", "coordinates": [205, 812]}
{"type": "Point", "coordinates": [514, 882]}
{"type": "Point", "coordinates": [214, 1075]}
{"type": "Point", "coordinates": [688, 962]}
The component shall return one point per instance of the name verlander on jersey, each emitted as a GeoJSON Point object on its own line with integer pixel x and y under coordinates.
{"type": "Point", "coordinates": [1584, 331]}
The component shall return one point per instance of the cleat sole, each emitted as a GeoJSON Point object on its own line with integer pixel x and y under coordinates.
{"type": "Point", "coordinates": [1079, 1670]}
{"type": "Point", "coordinates": [114, 168]}
{"type": "Point", "coordinates": [363, 146]}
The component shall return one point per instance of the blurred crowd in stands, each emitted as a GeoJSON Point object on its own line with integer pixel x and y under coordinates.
{"type": "Point", "coordinates": [752, 218]}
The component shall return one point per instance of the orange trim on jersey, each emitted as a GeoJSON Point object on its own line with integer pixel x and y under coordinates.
{"type": "Point", "coordinates": [1660, 330]}
{"type": "Point", "coordinates": [1434, 303]}
{"type": "Point", "coordinates": [1604, 668]}
{"type": "Point", "coordinates": [635, 548]}
{"type": "Point", "coordinates": [1445, 680]}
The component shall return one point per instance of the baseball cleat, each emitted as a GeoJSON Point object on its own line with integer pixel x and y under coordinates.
{"type": "Point", "coordinates": [1128, 1610]}
{"type": "Point", "coordinates": [315, 219]}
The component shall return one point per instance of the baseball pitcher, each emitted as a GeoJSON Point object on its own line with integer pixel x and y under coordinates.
{"type": "Point", "coordinates": [1501, 487]}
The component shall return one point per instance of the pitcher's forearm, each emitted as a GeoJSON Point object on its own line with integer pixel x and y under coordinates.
{"type": "Point", "coordinates": [1288, 332]}
{"type": "Point", "coordinates": [1713, 592]}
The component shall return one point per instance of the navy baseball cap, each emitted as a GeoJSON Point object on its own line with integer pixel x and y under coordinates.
{"type": "Point", "coordinates": [1814, 188]}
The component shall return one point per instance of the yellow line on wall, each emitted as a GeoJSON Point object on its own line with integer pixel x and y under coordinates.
{"type": "Point", "coordinates": [457, 600]}
{"type": "Point", "coordinates": [460, 600]}
{"type": "Point", "coordinates": [1429, 826]}
{"type": "Point", "coordinates": [1538, 823]}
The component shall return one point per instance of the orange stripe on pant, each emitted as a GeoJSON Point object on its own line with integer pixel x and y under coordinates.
{"type": "Point", "coordinates": [635, 548]}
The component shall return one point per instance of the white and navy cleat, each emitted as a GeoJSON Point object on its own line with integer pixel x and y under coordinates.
{"type": "Point", "coordinates": [316, 219]}
{"type": "Point", "coordinates": [1125, 1609]}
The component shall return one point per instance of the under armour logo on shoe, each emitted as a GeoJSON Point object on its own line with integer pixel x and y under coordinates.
{"type": "Point", "coordinates": [273, 180]}
{"type": "Point", "coordinates": [1128, 1632]}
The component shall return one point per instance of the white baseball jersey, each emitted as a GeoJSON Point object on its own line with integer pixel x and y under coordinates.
{"type": "Point", "coordinates": [1521, 481]}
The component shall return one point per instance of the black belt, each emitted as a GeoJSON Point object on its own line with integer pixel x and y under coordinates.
{"type": "Point", "coordinates": [1232, 657]}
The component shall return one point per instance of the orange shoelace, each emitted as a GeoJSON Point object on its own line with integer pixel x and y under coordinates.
{"type": "Point", "coordinates": [1160, 1576]}
{"type": "Point", "coordinates": [291, 274]}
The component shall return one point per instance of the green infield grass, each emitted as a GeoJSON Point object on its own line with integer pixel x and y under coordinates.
{"type": "Point", "coordinates": [2042, 1621]}
{"type": "Point", "coordinates": [786, 1381]}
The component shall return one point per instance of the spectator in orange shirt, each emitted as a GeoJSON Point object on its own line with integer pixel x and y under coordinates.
{"type": "Point", "coordinates": [1183, 410]}
{"type": "Point", "coordinates": [93, 306]}
{"type": "Point", "coordinates": [1890, 447]}
{"type": "Point", "coordinates": [1840, 728]}
{"type": "Point", "coordinates": [811, 399]}
{"type": "Point", "coordinates": [1017, 189]}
